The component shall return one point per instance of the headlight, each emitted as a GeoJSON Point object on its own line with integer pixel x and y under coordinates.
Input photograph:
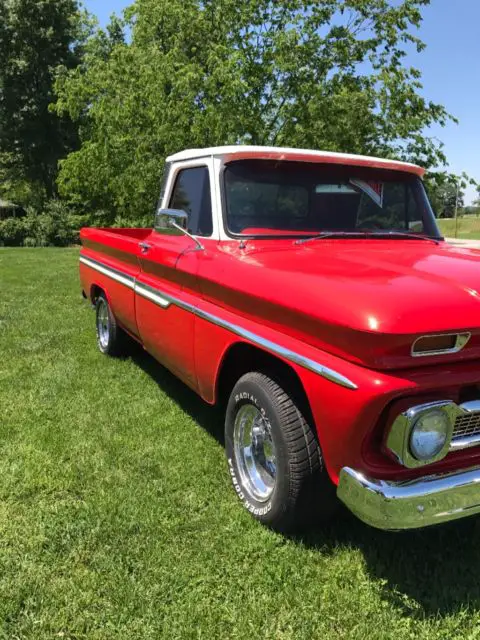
{"type": "Point", "coordinates": [429, 434]}
{"type": "Point", "coordinates": [421, 435]}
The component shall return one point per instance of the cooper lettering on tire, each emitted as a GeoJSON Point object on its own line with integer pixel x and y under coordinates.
{"type": "Point", "coordinates": [273, 455]}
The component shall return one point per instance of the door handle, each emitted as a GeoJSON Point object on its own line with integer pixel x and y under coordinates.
{"type": "Point", "coordinates": [144, 246]}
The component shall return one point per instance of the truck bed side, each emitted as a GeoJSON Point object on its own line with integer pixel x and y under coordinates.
{"type": "Point", "coordinates": [118, 252]}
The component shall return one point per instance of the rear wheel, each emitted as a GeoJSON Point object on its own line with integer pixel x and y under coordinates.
{"type": "Point", "coordinates": [274, 457]}
{"type": "Point", "coordinates": [110, 338]}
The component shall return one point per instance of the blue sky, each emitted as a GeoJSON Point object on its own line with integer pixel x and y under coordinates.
{"type": "Point", "coordinates": [450, 71]}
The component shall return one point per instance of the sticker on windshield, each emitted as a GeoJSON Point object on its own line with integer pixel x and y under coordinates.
{"type": "Point", "coordinates": [372, 188]}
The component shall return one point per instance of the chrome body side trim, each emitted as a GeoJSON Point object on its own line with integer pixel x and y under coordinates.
{"type": "Point", "coordinates": [115, 274]}
{"type": "Point", "coordinates": [410, 504]}
{"type": "Point", "coordinates": [165, 300]}
{"type": "Point", "coordinates": [151, 294]}
{"type": "Point", "coordinates": [460, 342]}
{"type": "Point", "coordinates": [307, 363]}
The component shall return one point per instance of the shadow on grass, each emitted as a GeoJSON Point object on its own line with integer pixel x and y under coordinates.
{"type": "Point", "coordinates": [434, 571]}
{"type": "Point", "coordinates": [208, 417]}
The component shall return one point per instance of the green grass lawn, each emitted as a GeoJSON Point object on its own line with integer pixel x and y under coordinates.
{"type": "Point", "coordinates": [117, 518]}
{"type": "Point", "coordinates": [467, 227]}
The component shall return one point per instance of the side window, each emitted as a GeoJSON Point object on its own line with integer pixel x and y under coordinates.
{"type": "Point", "coordinates": [192, 194]}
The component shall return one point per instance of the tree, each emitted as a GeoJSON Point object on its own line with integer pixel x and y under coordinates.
{"type": "Point", "coordinates": [305, 73]}
{"type": "Point", "coordinates": [446, 198]}
{"type": "Point", "coordinates": [36, 36]}
{"type": "Point", "coordinates": [476, 202]}
{"type": "Point", "coordinates": [447, 192]}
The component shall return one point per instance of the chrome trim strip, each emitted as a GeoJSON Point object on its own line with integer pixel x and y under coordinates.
{"type": "Point", "coordinates": [115, 274]}
{"type": "Point", "coordinates": [164, 300]}
{"type": "Point", "coordinates": [307, 363]}
{"type": "Point", "coordinates": [410, 504]}
{"type": "Point", "coordinates": [151, 294]}
{"type": "Point", "coordinates": [464, 443]}
{"type": "Point", "coordinates": [461, 341]}
{"type": "Point", "coordinates": [472, 406]}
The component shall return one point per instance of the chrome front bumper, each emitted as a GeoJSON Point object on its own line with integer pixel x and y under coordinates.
{"type": "Point", "coordinates": [410, 504]}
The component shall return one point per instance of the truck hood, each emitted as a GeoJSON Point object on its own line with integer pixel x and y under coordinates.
{"type": "Point", "coordinates": [365, 300]}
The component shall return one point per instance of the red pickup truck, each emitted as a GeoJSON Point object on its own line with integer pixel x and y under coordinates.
{"type": "Point", "coordinates": [311, 295]}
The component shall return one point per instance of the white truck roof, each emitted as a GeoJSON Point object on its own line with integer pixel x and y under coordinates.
{"type": "Point", "coordinates": [245, 152]}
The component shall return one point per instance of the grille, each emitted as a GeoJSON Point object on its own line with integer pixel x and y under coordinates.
{"type": "Point", "coordinates": [467, 425]}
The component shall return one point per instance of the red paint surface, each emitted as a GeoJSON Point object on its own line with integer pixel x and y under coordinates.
{"type": "Point", "coordinates": [354, 305]}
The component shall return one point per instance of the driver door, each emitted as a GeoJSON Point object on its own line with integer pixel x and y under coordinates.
{"type": "Point", "coordinates": [168, 277]}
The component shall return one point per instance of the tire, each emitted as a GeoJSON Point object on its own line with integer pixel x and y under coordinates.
{"type": "Point", "coordinates": [274, 457]}
{"type": "Point", "coordinates": [110, 338]}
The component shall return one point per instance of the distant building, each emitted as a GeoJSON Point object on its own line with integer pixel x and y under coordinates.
{"type": "Point", "coordinates": [10, 210]}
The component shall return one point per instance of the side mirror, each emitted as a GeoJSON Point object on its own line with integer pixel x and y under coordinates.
{"type": "Point", "coordinates": [174, 222]}
{"type": "Point", "coordinates": [171, 222]}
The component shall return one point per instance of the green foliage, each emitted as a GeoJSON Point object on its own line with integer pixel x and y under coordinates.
{"type": "Point", "coordinates": [12, 232]}
{"type": "Point", "coordinates": [446, 192]}
{"type": "Point", "coordinates": [57, 226]}
{"type": "Point", "coordinates": [446, 198]}
{"type": "Point", "coordinates": [326, 75]}
{"type": "Point", "coordinates": [19, 190]}
{"type": "Point", "coordinates": [36, 37]}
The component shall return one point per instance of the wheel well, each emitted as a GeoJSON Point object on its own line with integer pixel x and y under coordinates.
{"type": "Point", "coordinates": [242, 358]}
{"type": "Point", "coordinates": [95, 291]}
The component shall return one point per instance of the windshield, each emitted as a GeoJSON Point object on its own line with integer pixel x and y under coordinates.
{"type": "Point", "coordinates": [265, 198]}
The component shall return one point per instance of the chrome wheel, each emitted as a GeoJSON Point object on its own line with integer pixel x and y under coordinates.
{"type": "Point", "coordinates": [103, 323]}
{"type": "Point", "coordinates": [255, 452]}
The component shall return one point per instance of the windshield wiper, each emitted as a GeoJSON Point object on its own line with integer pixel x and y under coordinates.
{"type": "Point", "coordinates": [332, 234]}
{"type": "Point", "coordinates": [402, 234]}
{"type": "Point", "coordinates": [368, 234]}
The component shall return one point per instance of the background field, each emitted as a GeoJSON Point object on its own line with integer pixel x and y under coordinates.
{"type": "Point", "coordinates": [117, 519]}
{"type": "Point", "coordinates": [467, 227]}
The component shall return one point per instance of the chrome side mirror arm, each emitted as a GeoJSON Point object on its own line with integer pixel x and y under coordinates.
{"type": "Point", "coordinates": [199, 246]}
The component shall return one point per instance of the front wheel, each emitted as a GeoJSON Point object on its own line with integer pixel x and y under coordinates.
{"type": "Point", "coordinates": [273, 455]}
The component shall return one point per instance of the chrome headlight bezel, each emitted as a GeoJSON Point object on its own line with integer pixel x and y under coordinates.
{"type": "Point", "coordinates": [399, 437]}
